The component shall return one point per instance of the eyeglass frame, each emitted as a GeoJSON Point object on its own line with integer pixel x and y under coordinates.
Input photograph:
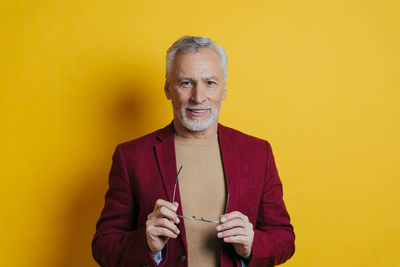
{"type": "Point", "coordinates": [202, 218]}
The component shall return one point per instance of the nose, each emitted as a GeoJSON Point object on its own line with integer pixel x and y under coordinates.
{"type": "Point", "coordinates": [198, 94]}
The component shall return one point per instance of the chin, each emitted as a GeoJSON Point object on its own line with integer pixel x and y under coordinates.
{"type": "Point", "coordinates": [196, 125]}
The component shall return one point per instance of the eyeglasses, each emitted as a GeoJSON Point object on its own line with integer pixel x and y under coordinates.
{"type": "Point", "coordinates": [202, 218]}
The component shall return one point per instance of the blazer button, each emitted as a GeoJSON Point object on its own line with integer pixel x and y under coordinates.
{"type": "Point", "coordinates": [182, 258]}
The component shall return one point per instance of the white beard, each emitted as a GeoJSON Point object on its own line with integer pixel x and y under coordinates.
{"type": "Point", "coordinates": [196, 124]}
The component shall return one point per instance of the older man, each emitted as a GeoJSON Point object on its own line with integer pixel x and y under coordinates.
{"type": "Point", "coordinates": [194, 193]}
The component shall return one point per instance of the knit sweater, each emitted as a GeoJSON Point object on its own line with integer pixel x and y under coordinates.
{"type": "Point", "coordinates": [202, 190]}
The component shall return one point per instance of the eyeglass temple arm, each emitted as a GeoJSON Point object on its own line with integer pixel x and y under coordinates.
{"type": "Point", "coordinates": [176, 181]}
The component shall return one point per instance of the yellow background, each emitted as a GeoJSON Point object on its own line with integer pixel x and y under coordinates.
{"type": "Point", "coordinates": [318, 79]}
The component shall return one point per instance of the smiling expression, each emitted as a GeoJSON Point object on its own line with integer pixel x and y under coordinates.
{"type": "Point", "coordinates": [196, 88]}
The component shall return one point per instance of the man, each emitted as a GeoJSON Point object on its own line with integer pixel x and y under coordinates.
{"type": "Point", "coordinates": [194, 193]}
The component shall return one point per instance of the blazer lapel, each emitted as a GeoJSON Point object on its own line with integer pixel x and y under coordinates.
{"type": "Point", "coordinates": [230, 163]}
{"type": "Point", "coordinates": [165, 154]}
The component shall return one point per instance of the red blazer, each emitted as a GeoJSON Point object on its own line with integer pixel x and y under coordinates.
{"type": "Point", "coordinates": [144, 170]}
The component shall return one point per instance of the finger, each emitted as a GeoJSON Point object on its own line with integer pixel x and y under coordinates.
{"type": "Point", "coordinates": [161, 231]}
{"type": "Point", "coordinates": [233, 232]}
{"type": "Point", "coordinates": [164, 212]}
{"type": "Point", "coordinates": [163, 203]}
{"type": "Point", "coordinates": [164, 222]}
{"type": "Point", "coordinates": [232, 224]}
{"type": "Point", "coordinates": [237, 239]}
{"type": "Point", "coordinates": [233, 215]}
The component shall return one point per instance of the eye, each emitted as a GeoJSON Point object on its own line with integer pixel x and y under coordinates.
{"type": "Point", "coordinates": [186, 83]}
{"type": "Point", "coordinates": [211, 82]}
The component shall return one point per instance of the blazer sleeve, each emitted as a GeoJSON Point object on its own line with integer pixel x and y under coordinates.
{"type": "Point", "coordinates": [273, 241]}
{"type": "Point", "coordinates": [118, 241]}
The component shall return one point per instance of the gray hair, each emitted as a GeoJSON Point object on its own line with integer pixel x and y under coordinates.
{"type": "Point", "coordinates": [192, 44]}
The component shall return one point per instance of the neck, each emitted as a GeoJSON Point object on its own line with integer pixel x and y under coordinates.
{"type": "Point", "coordinates": [186, 133]}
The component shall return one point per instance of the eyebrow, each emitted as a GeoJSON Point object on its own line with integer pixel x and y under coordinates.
{"type": "Point", "coordinates": [184, 78]}
{"type": "Point", "coordinates": [212, 78]}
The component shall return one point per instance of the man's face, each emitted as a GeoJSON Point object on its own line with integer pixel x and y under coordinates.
{"type": "Point", "coordinates": [196, 87]}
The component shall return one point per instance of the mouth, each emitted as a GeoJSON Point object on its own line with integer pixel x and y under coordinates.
{"type": "Point", "coordinates": [197, 112]}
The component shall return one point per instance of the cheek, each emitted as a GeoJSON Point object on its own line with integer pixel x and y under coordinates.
{"type": "Point", "coordinates": [182, 99]}
{"type": "Point", "coordinates": [217, 99]}
{"type": "Point", "coordinates": [178, 101]}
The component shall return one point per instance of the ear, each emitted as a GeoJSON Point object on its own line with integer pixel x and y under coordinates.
{"type": "Point", "coordinates": [224, 93]}
{"type": "Point", "coordinates": [166, 90]}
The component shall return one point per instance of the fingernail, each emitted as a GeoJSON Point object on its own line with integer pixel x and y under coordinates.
{"type": "Point", "coordinates": [177, 220]}
{"type": "Point", "coordinates": [219, 234]}
{"type": "Point", "coordinates": [178, 231]}
{"type": "Point", "coordinates": [218, 227]}
{"type": "Point", "coordinates": [175, 208]}
{"type": "Point", "coordinates": [223, 219]}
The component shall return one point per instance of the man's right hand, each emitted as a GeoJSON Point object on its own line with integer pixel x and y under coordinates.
{"type": "Point", "coordinates": [160, 225]}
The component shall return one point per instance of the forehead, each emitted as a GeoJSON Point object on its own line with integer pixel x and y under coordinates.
{"type": "Point", "coordinates": [204, 60]}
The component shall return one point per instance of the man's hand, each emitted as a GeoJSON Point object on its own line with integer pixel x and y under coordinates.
{"type": "Point", "coordinates": [160, 225]}
{"type": "Point", "coordinates": [236, 229]}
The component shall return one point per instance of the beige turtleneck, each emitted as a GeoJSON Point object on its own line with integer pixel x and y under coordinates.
{"type": "Point", "coordinates": [203, 194]}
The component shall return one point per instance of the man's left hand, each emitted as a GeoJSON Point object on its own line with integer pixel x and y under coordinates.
{"type": "Point", "coordinates": [236, 229]}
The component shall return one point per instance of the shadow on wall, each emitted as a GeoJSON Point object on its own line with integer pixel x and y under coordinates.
{"type": "Point", "coordinates": [124, 120]}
